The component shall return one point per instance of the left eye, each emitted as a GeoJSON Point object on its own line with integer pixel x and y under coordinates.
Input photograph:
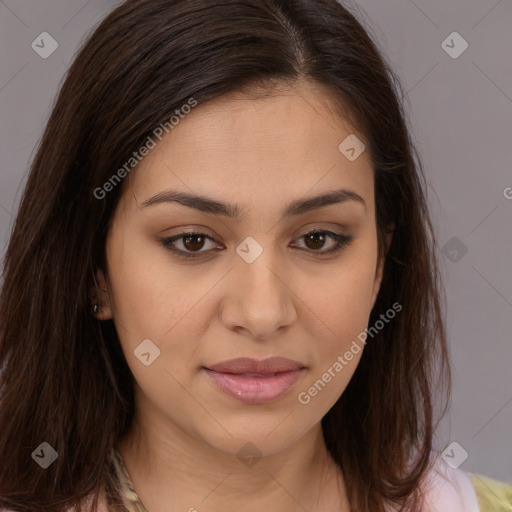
{"type": "Point", "coordinates": [318, 237]}
{"type": "Point", "coordinates": [193, 242]}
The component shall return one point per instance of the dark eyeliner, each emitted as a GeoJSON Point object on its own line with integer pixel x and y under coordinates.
{"type": "Point", "coordinates": [342, 241]}
{"type": "Point", "coordinates": [167, 244]}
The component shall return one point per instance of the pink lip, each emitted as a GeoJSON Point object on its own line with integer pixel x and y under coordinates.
{"type": "Point", "coordinates": [254, 382]}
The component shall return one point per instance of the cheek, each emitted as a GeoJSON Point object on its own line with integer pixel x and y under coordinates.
{"type": "Point", "coordinates": [142, 282]}
{"type": "Point", "coordinates": [154, 299]}
{"type": "Point", "coordinates": [343, 301]}
{"type": "Point", "coordinates": [343, 304]}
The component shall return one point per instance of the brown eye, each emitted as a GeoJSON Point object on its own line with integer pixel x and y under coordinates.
{"type": "Point", "coordinates": [191, 242]}
{"type": "Point", "coordinates": [316, 240]}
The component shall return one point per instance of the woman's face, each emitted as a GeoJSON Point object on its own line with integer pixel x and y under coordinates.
{"type": "Point", "coordinates": [261, 285]}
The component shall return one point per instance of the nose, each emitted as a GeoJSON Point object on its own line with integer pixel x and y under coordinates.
{"type": "Point", "coordinates": [260, 303]}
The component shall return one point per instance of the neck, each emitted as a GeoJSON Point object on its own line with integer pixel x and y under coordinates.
{"type": "Point", "coordinates": [172, 470]}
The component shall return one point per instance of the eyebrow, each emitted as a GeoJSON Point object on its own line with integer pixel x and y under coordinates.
{"type": "Point", "coordinates": [209, 205]}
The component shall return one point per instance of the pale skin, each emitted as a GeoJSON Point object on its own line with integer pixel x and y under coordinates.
{"type": "Point", "coordinates": [181, 452]}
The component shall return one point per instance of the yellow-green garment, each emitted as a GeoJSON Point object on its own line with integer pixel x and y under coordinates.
{"type": "Point", "coordinates": [493, 496]}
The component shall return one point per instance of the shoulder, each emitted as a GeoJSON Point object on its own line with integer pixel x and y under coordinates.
{"type": "Point", "coordinates": [445, 488]}
{"type": "Point", "coordinates": [450, 489]}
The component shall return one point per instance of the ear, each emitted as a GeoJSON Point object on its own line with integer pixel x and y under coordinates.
{"type": "Point", "coordinates": [101, 296]}
{"type": "Point", "coordinates": [380, 265]}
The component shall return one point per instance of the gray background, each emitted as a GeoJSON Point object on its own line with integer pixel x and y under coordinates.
{"type": "Point", "coordinates": [460, 114]}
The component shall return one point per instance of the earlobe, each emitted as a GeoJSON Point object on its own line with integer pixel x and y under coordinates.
{"type": "Point", "coordinates": [101, 306]}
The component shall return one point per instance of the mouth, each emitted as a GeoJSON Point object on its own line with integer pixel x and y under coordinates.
{"type": "Point", "coordinates": [255, 382]}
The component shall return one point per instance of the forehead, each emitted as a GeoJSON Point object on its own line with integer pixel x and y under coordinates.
{"type": "Point", "coordinates": [248, 148]}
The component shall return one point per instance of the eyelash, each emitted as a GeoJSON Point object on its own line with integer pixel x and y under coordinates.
{"type": "Point", "coordinates": [342, 241]}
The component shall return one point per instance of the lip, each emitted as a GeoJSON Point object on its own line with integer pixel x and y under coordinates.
{"type": "Point", "coordinates": [254, 382]}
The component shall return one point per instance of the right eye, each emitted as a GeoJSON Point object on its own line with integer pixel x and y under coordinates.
{"type": "Point", "coordinates": [191, 241]}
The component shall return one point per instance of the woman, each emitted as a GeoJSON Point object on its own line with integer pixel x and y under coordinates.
{"type": "Point", "coordinates": [221, 289]}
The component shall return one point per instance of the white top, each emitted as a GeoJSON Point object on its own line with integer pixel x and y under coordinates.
{"type": "Point", "coordinates": [450, 490]}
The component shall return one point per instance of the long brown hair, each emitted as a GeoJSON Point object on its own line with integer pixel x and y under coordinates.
{"type": "Point", "coordinates": [65, 380]}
